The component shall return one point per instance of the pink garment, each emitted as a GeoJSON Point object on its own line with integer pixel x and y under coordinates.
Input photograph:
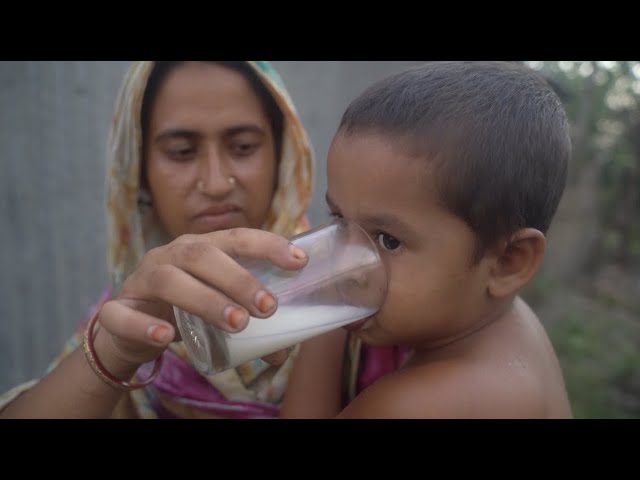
{"type": "Point", "coordinates": [375, 362]}
{"type": "Point", "coordinates": [180, 382]}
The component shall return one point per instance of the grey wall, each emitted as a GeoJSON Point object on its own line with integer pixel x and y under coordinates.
{"type": "Point", "coordinates": [54, 119]}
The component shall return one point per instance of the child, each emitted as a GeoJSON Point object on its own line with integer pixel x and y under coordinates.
{"type": "Point", "coordinates": [456, 170]}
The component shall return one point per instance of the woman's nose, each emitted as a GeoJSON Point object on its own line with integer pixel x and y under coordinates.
{"type": "Point", "coordinates": [215, 179]}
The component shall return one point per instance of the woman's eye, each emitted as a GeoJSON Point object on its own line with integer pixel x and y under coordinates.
{"type": "Point", "coordinates": [181, 154]}
{"type": "Point", "coordinates": [244, 149]}
{"type": "Point", "coordinates": [388, 242]}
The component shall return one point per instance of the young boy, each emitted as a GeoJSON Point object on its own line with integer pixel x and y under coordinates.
{"type": "Point", "coordinates": [456, 170]}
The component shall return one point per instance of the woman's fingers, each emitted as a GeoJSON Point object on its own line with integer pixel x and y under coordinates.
{"type": "Point", "coordinates": [174, 286]}
{"type": "Point", "coordinates": [251, 243]}
{"type": "Point", "coordinates": [222, 274]}
{"type": "Point", "coordinates": [210, 261]}
{"type": "Point", "coordinates": [132, 328]}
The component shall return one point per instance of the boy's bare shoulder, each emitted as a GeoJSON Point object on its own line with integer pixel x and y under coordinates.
{"type": "Point", "coordinates": [447, 389]}
{"type": "Point", "coordinates": [508, 370]}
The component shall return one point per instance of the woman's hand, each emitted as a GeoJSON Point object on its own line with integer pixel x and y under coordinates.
{"type": "Point", "coordinates": [196, 273]}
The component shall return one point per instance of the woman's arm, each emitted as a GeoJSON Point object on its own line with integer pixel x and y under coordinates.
{"type": "Point", "coordinates": [72, 389]}
{"type": "Point", "coordinates": [315, 385]}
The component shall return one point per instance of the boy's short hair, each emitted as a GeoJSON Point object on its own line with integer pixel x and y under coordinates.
{"type": "Point", "coordinates": [495, 133]}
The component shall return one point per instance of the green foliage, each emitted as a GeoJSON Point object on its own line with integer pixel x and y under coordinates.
{"type": "Point", "coordinates": [602, 100]}
{"type": "Point", "coordinates": [539, 288]}
{"type": "Point", "coordinates": [593, 318]}
{"type": "Point", "coordinates": [600, 359]}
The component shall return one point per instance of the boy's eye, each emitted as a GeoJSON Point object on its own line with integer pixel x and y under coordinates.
{"type": "Point", "coordinates": [388, 242]}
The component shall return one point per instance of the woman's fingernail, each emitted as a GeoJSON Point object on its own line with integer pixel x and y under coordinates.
{"type": "Point", "coordinates": [158, 333]}
{"type": "Point", "coordinates": [234, 316]}
{"type": "Point", "coordinates": [264, 301]}
{"type": "Point", "coordinates": [297, 252]}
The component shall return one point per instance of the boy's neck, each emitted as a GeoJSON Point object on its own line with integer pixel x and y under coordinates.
{"type": "Point", "coordinates": [498, 312]}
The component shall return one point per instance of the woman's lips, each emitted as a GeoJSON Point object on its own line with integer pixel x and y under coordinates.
{"type": "Point", "coordinates": [218, 217]}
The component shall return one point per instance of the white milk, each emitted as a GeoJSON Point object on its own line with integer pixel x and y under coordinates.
{"type": "Point", "coordinates": [288, 326]}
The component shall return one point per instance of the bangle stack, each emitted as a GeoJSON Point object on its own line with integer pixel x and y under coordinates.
{"type": "Point", "coordinates": [99, 369]}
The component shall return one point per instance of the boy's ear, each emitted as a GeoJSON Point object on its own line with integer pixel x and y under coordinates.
{"type": "Point", "coordinates": [516, 262]}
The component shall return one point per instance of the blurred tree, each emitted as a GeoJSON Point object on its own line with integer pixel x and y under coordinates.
{"type": "Point", "coordinates": [588, 294]}
{"type": "Point", "coordinates": [603, 103]}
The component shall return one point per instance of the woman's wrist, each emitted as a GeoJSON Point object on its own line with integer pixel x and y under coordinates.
{"type": "Point", "coordinates": [111, 359]}
{"type": "Point", "coordinates": [117, 362]}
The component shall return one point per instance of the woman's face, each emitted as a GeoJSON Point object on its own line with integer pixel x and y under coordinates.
{"type": "Point", "coordinates": [209, 157]}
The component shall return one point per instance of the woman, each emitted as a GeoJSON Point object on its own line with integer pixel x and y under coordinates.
{"type": "Point", "coordinates": [208, 148]}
